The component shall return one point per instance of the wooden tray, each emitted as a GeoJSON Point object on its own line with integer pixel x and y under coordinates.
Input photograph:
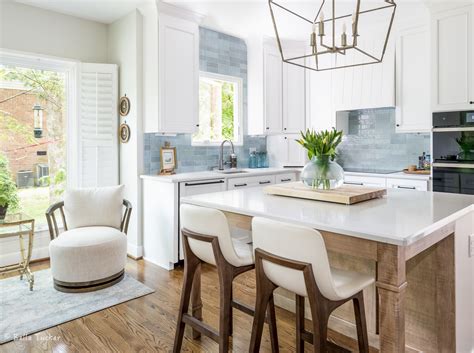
{"type": "Point", "coordinates": [418, 171]}
{"type": "Point", "coordinates": [346, 194]}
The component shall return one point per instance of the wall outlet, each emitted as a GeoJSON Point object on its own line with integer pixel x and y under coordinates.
{"type": "Point", "coordinates": [471, 245]}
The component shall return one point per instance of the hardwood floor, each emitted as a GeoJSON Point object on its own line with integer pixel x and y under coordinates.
{"type": "Point", "coordinates": [148, 324]}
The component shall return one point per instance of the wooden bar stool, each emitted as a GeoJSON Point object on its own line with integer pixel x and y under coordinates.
{"type": "Point", "coordinates": [295, 258]}
{"type": "Point", "coordinates": [207, 238]}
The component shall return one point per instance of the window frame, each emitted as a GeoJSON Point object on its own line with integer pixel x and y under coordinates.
{"type": "Point", "coordinates": [238, 105]}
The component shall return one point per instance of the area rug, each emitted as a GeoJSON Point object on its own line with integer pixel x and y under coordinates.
{"type": "Point", "coordinates": [23, 312]}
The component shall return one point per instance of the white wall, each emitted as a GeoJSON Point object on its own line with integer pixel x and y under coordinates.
{"type": "Point", "coordinates": [34, 30]}
{"type": "Point", "coordinates": [125, 49]}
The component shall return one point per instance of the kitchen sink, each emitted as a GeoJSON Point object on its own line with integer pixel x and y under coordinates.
{"type": "Point", "coordinates": [231, 171]}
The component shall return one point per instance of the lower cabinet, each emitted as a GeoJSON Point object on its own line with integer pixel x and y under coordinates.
{"type": "Point", "coordinates": [161, 201]}
{"type": "Point", "coordinates": [391, 183]}
{"type": "Point", "coordinates": [408, 184]}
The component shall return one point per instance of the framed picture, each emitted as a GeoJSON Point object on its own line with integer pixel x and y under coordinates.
{"type": "Point", "coordinates": [168, 160]}
{"type": "Point", "coordinates": [124, 133]}
{"type": "Point", "coordinates": [124, 107]}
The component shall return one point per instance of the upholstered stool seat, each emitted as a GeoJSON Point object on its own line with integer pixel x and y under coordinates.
{"type": "Point", "coordinates": [78, 255]}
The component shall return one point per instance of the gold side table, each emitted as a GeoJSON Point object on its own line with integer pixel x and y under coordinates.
{"type": "Point", "coordinates": [19, 225]}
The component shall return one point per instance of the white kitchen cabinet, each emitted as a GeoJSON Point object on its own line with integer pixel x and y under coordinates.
{"type": "Point", "coordinates": [178, 76]}
{"type": "Point", "coordinates": [365, 181]}
{"type": "Point", "coordinates": [413, 108]}
{"type": "Point", "coordinates": [452, 39]}
{"type": "Point", "coordinates": [284, 93]}
{"type": "Point", "coordinates": [294, 98]}
{"type": "Point", "coordinates": [284, 151]}
{"type": "Point", "coordinates": [407, 184]}
{"type": "Point", "coordinates": [273, 90]}
{"type": "Point", "coordinates": [249, 182]}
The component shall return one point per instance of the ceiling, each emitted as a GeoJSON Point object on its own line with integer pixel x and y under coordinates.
{"type": "Point", "coordinates": [237, 17]}
{"type": "Point", "coordinates": [104, 11]}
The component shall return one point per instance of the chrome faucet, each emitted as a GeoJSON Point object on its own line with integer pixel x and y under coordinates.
{"type": "Point", "coordinates": [233, 156]}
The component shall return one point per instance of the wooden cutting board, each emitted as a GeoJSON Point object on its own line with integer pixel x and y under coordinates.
{"type": "Point", "coordinates": [346, 194]}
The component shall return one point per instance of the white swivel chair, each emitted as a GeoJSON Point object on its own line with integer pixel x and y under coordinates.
{"type": "Point", "coordinates": [295, 258]}
{"type": "Point", "coordinates": [207, 239]}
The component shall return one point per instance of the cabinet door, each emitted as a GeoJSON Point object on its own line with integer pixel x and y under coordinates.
{"type": "Point", "coordinates": [273, 91]}
{"type": "Point", "coordinates": [277, 150]}
{"type": "Point", "coordinates": [178, 75]}
{"type": "Point", "coordinates": [294, 100]}
{"type": "Point", "coordinates": [297, 155]}
{"type": "Point", "coordinates": [413, 110]}
{"type": "Point", "coordinates": [452, 45]}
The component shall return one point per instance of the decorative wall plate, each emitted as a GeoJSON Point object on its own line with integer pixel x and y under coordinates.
{"type": "Point", "coordinates": [124, 133]}
{"type": "Point", "coordinates": [124, 107]}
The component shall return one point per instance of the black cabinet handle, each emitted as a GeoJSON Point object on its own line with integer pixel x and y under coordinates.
{"type": "Point", "coordinates": [284, 128]}
{"type": "Point", "coordinates": [406, 187]}
{"type": "Point", "coordinates": [349, 183]}
{"type": "Point", "coordinates": [267, 128]}
{"type": "Point", "coordinates": [285, 180]}
{"type": "Point", "coordinates": [205, 183]}
{"type": "Point", "coordinates": [264, 182]}
{"type": "Point", "coordinates": [471, 102]}
{"type": "Point", "coordinates": [239, 185]}
{"type": "Point", "coordinates": [398, 125]}
{"type": "Point", "coordinates": [197, 125]}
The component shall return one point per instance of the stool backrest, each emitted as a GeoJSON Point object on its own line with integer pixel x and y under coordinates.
{"type": "Point", "coordinates": [210, 222]}
{"type": "Point", "coordinates": [294, 243]}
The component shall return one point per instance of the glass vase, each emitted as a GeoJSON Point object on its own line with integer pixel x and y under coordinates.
{"type": "Point", "coordinates": [322, 173]}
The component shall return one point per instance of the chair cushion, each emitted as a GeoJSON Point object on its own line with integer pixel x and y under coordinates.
{"type": "Point", "coordinates": [94, 207]}
{"type": "Point", "coordinates": [88, 254]}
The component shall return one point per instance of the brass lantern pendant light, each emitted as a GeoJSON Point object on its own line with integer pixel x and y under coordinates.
{"type": "Point", "coordinates": [330, 45]}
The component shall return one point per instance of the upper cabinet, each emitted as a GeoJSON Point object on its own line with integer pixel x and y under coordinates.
{"type": "Point", "coordinates": [413, 109]}
{"type": "Point", "coordinates": [178, 76]}
{"type": "Point", "coordinates": [273, 90]}
{"type": "Point", "coordinates": [453, 56]}
{"type": "Point", "coordinates": [284, 94]}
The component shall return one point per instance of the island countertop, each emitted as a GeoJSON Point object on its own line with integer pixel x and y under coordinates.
{"type": "Point", "coordinates": [400, 218]}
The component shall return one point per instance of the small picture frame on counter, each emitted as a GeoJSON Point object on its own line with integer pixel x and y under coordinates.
{"type": "Point", "coordinates": [168, 159]}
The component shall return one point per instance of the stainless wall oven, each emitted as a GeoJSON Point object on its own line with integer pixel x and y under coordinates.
{"type": "Point", "coordinates": [453, 152]}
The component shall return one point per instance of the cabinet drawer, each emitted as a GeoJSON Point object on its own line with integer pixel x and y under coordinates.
{"type": "Point", "coordinates": [407, 184]}
{"type": "Point", "coordinates": [365, 181]}
{"type": "Point", "coordinates": [285, 178]}
{"type": "Point", "coordinates": [248, 182]}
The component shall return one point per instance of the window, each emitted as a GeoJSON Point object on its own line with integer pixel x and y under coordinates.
{"type": "Point", "coordinates": [220, 110]}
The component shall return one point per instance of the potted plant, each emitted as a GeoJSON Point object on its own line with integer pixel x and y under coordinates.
{"type": "Point", "coordinates": [8, 190]}
{"type": "Point", "coordinates": [322, 172]}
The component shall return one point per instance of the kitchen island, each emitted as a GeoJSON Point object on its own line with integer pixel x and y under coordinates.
{"type": "Point", "coordinates": [415, 243]}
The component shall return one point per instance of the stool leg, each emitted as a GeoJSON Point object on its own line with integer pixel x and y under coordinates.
{"type": "Point", "coordinates": [225, 315]}
{"type": "Point", "coordinates": [264, 292]}
{"type": "Point", "coordinates": [231, 317]}
{"type": "Point", "coordinates": [196, 301]}
{"type": "Point", "coordinates": [273, 325]}
{"type": "Point", "coordinates": [190, 268]}
{"type": "Point", "coordinates": [299, 323]}
{"type": "Point", "coordinates": [359, 312]}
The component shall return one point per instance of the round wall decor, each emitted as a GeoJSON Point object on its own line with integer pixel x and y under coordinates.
{"type": "Point", "coordinates": [124, 133]}
{"type": "Point", "coordinates": [124, 106]}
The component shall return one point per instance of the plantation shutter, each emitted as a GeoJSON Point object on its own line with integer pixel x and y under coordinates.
{"type": "Point", "coordinates": [98, 125]}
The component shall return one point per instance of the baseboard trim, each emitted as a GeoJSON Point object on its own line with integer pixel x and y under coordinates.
{"type": "Point", "coordinates": [134, 251]}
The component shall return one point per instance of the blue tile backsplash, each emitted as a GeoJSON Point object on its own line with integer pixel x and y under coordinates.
{"type": "Point", "coordinates": [222, 54]}
{"type": "Point", "coordinates": [371, 142]}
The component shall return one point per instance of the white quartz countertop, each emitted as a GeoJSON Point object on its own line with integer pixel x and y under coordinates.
{"type": "Point", "coordinates": [401, 217]}
{"type": "Point", "coordinates": [397, 175]}
{"type": "Point", "coordinates": [206, 175]}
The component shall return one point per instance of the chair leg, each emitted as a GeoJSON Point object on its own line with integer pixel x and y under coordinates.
{"type": "Point", "coordinates": [359, 312]}
{"type": "Point", "coordinates": [231, 316]}
{"type": "Point", "coordinates": [196, 301]}
{"type": "Point", "coordinates": [189, 271]}
{"type": "Point", "coordinates": [272, 324]}
{"type": "Point", "coordinates": [377, 302]}
{"type": "Point", "coordinates": [299, 323]}
{"type": "Point", "coordinates": [264, 292]}
{"type": "Point", "coordinates": [225, 314]}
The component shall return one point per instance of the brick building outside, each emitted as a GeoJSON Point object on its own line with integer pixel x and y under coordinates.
{"type": "Point", "coordinates": [17, 140]}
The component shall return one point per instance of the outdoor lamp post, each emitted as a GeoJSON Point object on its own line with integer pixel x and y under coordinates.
{"type": "Point", "coordinates": [38, 120]}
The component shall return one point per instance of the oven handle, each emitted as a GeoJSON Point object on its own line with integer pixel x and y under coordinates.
{"type": "Point", "coordinates": [205, 183]}
{"type": "Point", "coordinates": [454, 165]}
